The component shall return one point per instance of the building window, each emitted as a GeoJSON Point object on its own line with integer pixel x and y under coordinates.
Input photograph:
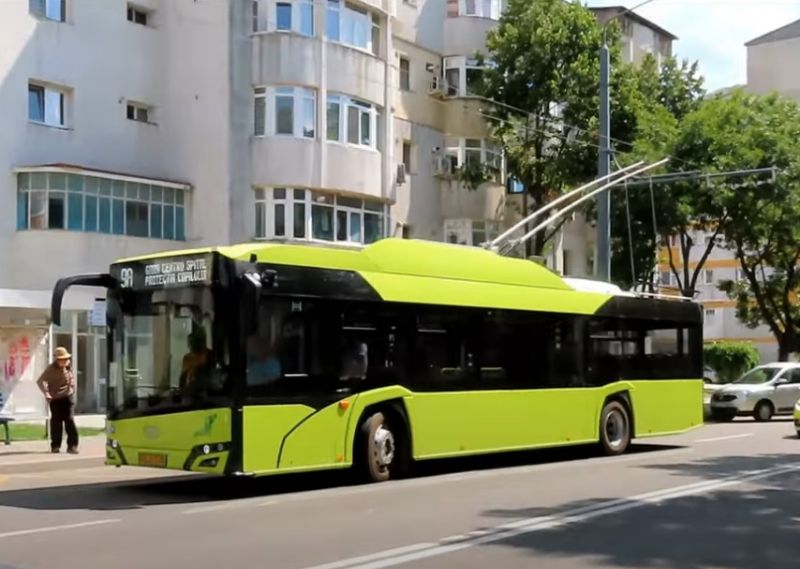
{"type": "Point", "coordinates": [353, 26]}
{"type": "Point", "coordinates": [46, 105]}
{"type": "Point", "coordinates": [475, 151]}
{"type": "Point", "coordinates": [480, 8]}
{"type": "Point", "coordinates": [405, 74]}
{"type": "Point", "coordinates": [351, 121]}
{"type": "Point", "coordinates": [55, 10]}
{"type": "Point", "coordinates": [708, 277]}
{"type": "Point", "coordinates": [137, 15]}
{"type": "Point", "coordinates": [666, 278]}
{"type": "Point", "coordinates": [462, 75]}
{"type": "Point", "coordinates": [285, 16]}
{"type": "Point", "coordinates": [138, 112]}
{"type": "Point", "coordinates": [93, 204]}
{"type": "Point", "coordinates": [469, 232]}
{"type": "Point", "coordinates": [293, 112]}
{"type": "Point", "coordinates": [709, 316]}
{"type": "Point", "coordinates": [283, 213]}
{"type": "Point", "coordinates": [407, 155]}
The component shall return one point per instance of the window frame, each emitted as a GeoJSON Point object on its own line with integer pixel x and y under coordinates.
{"type": "Point", "coordinates": [138, 109]}
{"type": "Point", "coordinates": [491, 154]}
{"type": "Point", "coordinates": [301, 17]}
{"type": "Point", "coordinates": [265, 100]}
{"type": "Point", "coordinates": [488, 9]}
{"type": "Point", "coordinates": [349, 15]}
{"type": "Point", "coordinates": [404, 75]}
{"type": "Point", "coordinates": [49, 93]}
{"type": "Point", "coordinates": [135, 12]}
{"type": "Point", "coordinates": [269, 201]}
{"type": "Point", "coordinates": [99, 200]}
{"type": "Point", "coordinates": [364, 109]}
{"type": "Point", "coordinates": [46, 10]}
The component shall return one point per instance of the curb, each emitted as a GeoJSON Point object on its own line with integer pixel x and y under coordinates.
{"type": "Point", "coordinates": [36, 466]}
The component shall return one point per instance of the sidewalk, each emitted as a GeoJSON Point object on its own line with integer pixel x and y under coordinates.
{"type": "Point", "coordinates": [35, 456]}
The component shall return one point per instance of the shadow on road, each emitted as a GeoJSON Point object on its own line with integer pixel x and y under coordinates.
{"type": "Point", "coordinates": [195, 489]}
{"type": "Point", "coordinates": [756, 525]}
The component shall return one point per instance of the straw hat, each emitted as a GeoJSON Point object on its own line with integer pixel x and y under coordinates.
{"type": "Point", "coordinates": [62, 354]}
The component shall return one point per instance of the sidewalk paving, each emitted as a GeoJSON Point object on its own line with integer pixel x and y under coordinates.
{"type": "Point", "coordinates": [35, 456]}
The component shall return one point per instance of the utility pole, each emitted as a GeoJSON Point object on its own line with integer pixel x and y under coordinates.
{"type": "Point", "coordinates": [603, 258]}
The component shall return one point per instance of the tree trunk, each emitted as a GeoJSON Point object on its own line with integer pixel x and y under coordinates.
{"type": "Point", "coordinates": [784, 348]}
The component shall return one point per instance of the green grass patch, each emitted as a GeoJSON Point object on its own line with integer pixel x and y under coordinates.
{"type": "Point", "coordinates": [36, 432]}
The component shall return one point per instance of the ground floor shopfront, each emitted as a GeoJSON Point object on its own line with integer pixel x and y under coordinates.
{"type": "Point", "coordinates": [28, 339]}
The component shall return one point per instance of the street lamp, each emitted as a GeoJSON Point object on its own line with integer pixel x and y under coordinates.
{"type": "Point", "coordinates": [603, 266]}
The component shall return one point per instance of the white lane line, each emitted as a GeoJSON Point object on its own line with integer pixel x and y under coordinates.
{"type": "Point", "coordinates": [725, 438]}
{"type": "Point", "coordinates": [400, 485]}
{"type": "Point", "coordinates": [56, 528]}
{"type": "Point", "coordinates": [417, 552]}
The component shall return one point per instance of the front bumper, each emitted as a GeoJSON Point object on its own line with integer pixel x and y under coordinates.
{"type": "Point", "coordinates": [208, 458]}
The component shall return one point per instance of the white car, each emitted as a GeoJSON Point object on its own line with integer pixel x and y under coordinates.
{"type": "Point", "coordinates": [762, 392]}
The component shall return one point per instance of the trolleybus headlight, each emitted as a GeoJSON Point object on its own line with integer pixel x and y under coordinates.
{"type": "Point", "coordinates": [114, 444]}
{"type": "Point", "coordinates": [206, 449]}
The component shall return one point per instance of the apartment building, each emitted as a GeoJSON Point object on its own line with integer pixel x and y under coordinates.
{"type": "Point", "coordinates": [134, 127]}
{"type": "Point", "coordinates": [720, 322]}
{"type": "Point", "coordinates": [772, 62]}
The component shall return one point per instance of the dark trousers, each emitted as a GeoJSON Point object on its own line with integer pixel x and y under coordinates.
{"type": "Point", "coordinates": [61, 416]}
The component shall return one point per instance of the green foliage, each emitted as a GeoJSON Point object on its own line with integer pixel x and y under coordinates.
{"type": "Point", "coordinates": [761, 216]}
{"type": "Point", "coordinates": [473, 174]}
{"type": "Point", "coordinates": [730, 359]}
{"type": "Point", "coordinates": [659, 99]}
{"type": "Point", "coordinates": [544, 56]}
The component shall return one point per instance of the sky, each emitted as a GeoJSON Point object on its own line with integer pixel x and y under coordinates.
{"type": "Point", "coordinates": [714, 32]}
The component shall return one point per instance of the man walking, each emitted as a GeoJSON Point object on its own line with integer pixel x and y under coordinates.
{"type": "Point", "coordinates": [58, 385]}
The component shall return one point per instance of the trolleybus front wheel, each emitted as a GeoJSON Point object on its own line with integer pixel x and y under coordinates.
{"type": "Point", "coordinates": [382, 447]}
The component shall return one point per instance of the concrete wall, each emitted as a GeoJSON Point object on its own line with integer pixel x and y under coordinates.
{"type": "Point", "coordinates": [180, 66]}
{"type": "Point", "coordinates": [774, 67]}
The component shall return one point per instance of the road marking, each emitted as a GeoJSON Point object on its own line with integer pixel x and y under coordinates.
{"type": "Point", "coordinates": [725, 438]}
{"type": "Point", "coordinates": [402, 485]}
{"type": "Point", "coordinates": [56, 528]}
{"type": "Point", "coordinates": [419, 551]}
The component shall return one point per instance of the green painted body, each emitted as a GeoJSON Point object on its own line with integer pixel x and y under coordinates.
{"type": "Point", "coordinates": [296, 437]}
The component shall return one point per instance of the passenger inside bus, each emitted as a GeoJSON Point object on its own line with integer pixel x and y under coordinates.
{"type": "Point", "coordinates": [263, 361]}
{"type": "Point", "coordinates": [197, 360]}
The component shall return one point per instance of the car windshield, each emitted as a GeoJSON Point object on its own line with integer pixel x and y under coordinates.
{"type": "Point", "coordinates": [758, 376]}
{"type": "Point", "coordinates": [167, 352]}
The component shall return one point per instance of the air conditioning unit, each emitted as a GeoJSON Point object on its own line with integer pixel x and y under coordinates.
{"type": "Point", "coordinates": [442, 166]}
{"type": "Point", "coordinates": [437, 87]}
{"type": "Point", "coordinates": [401, 174]}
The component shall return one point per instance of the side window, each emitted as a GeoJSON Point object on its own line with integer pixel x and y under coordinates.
{"type": "Point", "coordinates": [794, 376]}
{"type": "Point", "coordinates": [441, 357]}
{"type": "Point", "coordinates": [629, 349]}
{"type": "Point", "coordinates": [291, 351]}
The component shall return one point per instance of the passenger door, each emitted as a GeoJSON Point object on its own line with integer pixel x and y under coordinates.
{"type": "Point", "coordinates": [787, 394]}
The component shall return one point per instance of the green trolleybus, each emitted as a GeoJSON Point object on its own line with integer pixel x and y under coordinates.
{"type": "Point", "coordinates": [262, 359]}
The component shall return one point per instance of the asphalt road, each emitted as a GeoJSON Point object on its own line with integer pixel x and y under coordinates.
{"type": "Point", "coordinates": [724, 496]}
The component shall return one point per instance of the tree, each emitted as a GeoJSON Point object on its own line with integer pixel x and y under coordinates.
{"type": "Point", "coordinates": [662, 98]}
{"type": "Point", "coordinates": [757, 218]}
{"type": "Point", "coordinates": [730, 359]}
{"type": "Point", "coordinates": [544, 60]}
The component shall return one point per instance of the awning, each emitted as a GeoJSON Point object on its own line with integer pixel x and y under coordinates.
{"type": "Point", "coordinates": [40, 299]}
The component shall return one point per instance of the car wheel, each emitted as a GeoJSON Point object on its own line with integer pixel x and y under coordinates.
{"type": "Point", "coordinates": [615, 428]}
{"type": "Point", "coordinates": [763, 411]}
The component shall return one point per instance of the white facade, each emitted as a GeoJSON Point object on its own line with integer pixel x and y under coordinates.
{"type": "Point", "coordinates": [773, 64]}
{"type": "Point", "coordinates": [135, 127]}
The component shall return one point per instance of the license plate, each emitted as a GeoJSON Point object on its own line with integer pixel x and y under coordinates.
{"type": "Point", "coordinates": [152, 459]}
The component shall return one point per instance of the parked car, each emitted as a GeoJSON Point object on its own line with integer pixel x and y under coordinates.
{"type": "Point", "coordinates": [763, 392]}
